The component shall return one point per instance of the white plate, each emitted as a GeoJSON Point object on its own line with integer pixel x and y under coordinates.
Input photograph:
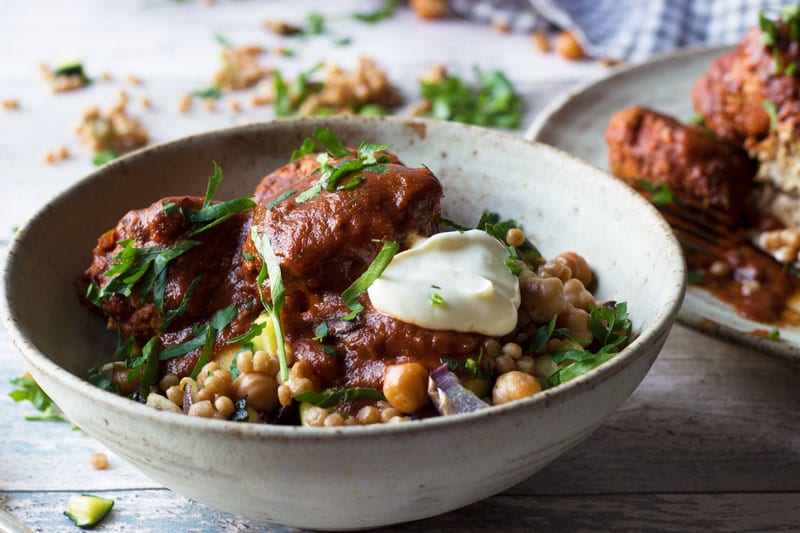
{"type": "Point", "coordinates": [576, 123]}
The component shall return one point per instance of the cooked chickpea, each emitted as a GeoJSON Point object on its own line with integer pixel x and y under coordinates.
{"type": "Point", "coordinates": [515, 237]}
{"type": "Point", "coordinates": [492, 348]}
{"type": "Point", "coordinates": [244, 361]}
{"type": "Point", "coordinates": [99, 460]}
{"type": "Point", "coordinates": [204, 395]}
{"type": "Point", "coordinates": [568, 47]}
{"type": "Point", "coordinates": [406, 386]}
{"type": "Point", "coordinates": [368, 415]}
{"type": "Point", "coordinates": [544, 366]}
{"type": "Point", "coordinates": [224, 406]}
{"type": "Point", "coordinates": [203, 409]}
{"type": "Point", "coordinates": [175, 395]}
{"type": "Point", "coordinates": [514, 385]}
{"type": "Point", "coordinates": [543, 298]}
{"type": "Point", "coordinates": [265, 363]}
{"type": "Point", "coordinates": [169, 380]}
{"type": "Point", "coordinates": [260, 390]}
{"type": "Point", "coordinates": [576, 295]}
{"type": "Point", "coordinates": [512, 349]}
{"type": "Point", "coordinates": [315, 416]}
{"type": "Point", "coordinates": [526, 364]}
{"type": "Point", "coordinates": [554, 269]}
{"type": "Point", "coordinates": [504, 363]}
{"type": "Point", "coordinates": [577, 322]}
{"type": "Point", "coordinates": [333, 419]}
{"type": "Point", "coordinates": [389, 413]}
{"type": "Point", "coordinates": [578, 265]}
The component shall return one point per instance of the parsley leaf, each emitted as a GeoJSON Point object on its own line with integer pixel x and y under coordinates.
{"type": "Point", "coordinates": [611, 328]}
{"type": "Point", "coordinates": [493, 103]}
{"type": "Point", "coordinates": [29, 390]}
{"type": "Point", "coordinates": [308, 147]}
{"type": "Point", "coordinates": [272, 268]}
{"type": "Point", "coordinates": [374, 270]}
{"type": "Point", "coordinates": [386, 11]}
{"type": "Point", "coordinates": [497, 228]}
{"type": "Point", "coordinates": [103, 157]}
{"type": "Point", "coordinates": [772, 112]}
{"type": "Point", "coordinates": [333, 398]}
{"type": "Point", "coordinates": [178, 311]}
{"type": "Point", "coordinates": [214, 92]}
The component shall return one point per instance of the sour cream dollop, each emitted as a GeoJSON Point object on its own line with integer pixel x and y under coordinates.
{"type": "Point", "coordinates": [451, 281]}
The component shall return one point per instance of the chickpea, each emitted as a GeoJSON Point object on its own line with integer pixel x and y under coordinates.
{"type": "Point", "coordinates": [492, 348]}
{"type": "Point", "coordinates": [576, 295]}
{"type": "Point", "coordinates": [368, 415]}
{"type": "Point", "coordinates": [333, 419]}
{"type": "Point", "coordinates": [224, 406]}
{"type": "Point", "coordinates": [578, 265]}
{"type": "Point", "coordinates": [543, 298]}
{"type": "Point", "coordinates": [514, 385]}
{"type": "Point", "coordinates": [504, 363]}
{"type": "Point", "coordinates": [512, 349]}
{"type": "Point", "coordinates": [169, 380]}
{"type": "Point", "coordinates": [99, 460]}
{"type": "Point", "coordinates": [406, 386]}
{"type": "Point", "coordinates": [515, 237]}
{"type": "Point", "coordinates": [388, 414]}
{"type": "Point", "coordinates": [577, 322]}
{"type": "Point", "coordinates": [315, 416]}
{"type": "Point", "coordinates": [544, 366]}
{"type": "Point", "coordinates": [568, 47]}
{"type": "Point", "coordinates": [244, 361]}
{"type": "Point", "coordinates": [202, 409]}
{"type": "Point", "coordinates": [526, 364]}
{"type": "Point", "coordinates": [265, 363]}
{"type": "Point", "coordinates": [554, 269]}
{"type": "Point", "coordinates": [260, 390]}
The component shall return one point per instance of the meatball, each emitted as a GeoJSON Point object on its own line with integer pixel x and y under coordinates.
{"type": "Point", "coordinates": [693, 162]}
{"type": "Point", "coordinates": [731, 94]}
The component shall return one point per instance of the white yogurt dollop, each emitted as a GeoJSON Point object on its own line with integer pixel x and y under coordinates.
{"type": "Point", "coordinates": [452, 281]}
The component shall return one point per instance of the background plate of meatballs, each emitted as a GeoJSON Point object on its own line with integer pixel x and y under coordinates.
{"type": "Point", "coordinates": [712, 137]}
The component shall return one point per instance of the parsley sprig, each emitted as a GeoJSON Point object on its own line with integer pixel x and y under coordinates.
{"type": "Point", "coordinates": [493, 103]}
{"type": "Point", "coordinates": [272, 269]}
{"type": "Point", "coordinates": [367, 159]}
{"type": "Point", "coordinates": [611, 328]}
{"type": "Point", "coordinates": [333, 398]}
{"type": "Point", "coordinates": [359, 286]}
{"type": "Point", "coordinates": [28, 389]}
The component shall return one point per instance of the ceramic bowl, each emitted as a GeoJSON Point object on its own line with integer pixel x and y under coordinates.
{"type": "Point", "coordinates": [352, 477]}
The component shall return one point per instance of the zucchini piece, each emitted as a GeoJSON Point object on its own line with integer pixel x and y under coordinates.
{"type": "Point", "coordinates": [87, 510]}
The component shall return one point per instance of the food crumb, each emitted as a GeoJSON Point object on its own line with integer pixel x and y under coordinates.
{"type": "Point", "coordinates": [541, 41]}
{"type": "Point", "coordinates": [241, 68]}
{"type": "Point", "coordinates": [501, 27]}
{"type": "Point", "coordinates": [67, 77]}
{"type": "Point", "coordinates": [99, 460]}
{"type": "Point", "coordinates": [133, 80]}
{"type": "Point", "coordinates": [106, 76]}
{"type": "Point", "coordinates": [236, 107]}
{"type": "Point", "coordinates": [281, 28]}
{"type": "Point", "coordinates": [114, 130]}
{"type": "Point", "coordinates": [210, 104]}
{"type": "Point", "coordinates": [146, 103]}
{"type": "Point", "coordinates": [54, 156]}
{"type": "Point", "coordinates": [185, 103]}
{"type": "Point", "coordinates": [568, 47]}
{"type": "Point", "coordinates": [429, 9]}
{"type": "Point", "coordinates": [12, 104]}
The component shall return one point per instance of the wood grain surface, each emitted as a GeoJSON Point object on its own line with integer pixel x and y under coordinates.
{"type": "Point", "coordinates": [710, 441]}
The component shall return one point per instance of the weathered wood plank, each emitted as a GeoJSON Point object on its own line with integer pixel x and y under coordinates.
{"type": "Point", "coordinates": [161, 510]}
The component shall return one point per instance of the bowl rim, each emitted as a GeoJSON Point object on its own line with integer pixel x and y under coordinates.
{"type": "Point", "coordinates": [659, 325]}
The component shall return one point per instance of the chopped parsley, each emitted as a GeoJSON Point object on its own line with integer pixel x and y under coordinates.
{"type": "Point", "coordinates": [374, 270]}
{"type": "Point", "coordinates": [493, 103]}
{"type": "Point", "coordinates": [694, 277]}
{"type": "Point", "coordinates": [436, 299]}
{"type": "Point", "coordinates": [222, 40]}
{"type": "Point", "coordinates": [611, 329]}
{"type": "Point", "coordinates": [497, 228]}
{"type": "Point", "coordinates": [333, 398]}
{"type": "Point", "coordinates": [213, 92]}
{"type": "Point", "coordinates": [660, 195]}
{"type": "Point", "coordinates": [321, 332]}
{"type": "Point", "coordinates": [386, 11]}
{"type": "Point", "coordinates": [103, 157]}
{"type": "Point", "coordinates": [774, 334]}
{"type": "Point", "coordinates": [772, 113]}
{"type": "Point", "coordinates": [367, 159]}
{"type": "Point", "coordinates": [697, 120]}
{"type": "Point", "coordinates": [771, 38]}
{"type": "Point", "coordinates": [288, 97]}
{"type": "Point", "coordinates": [28, 389]}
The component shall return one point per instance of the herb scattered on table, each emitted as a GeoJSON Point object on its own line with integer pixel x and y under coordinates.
{"type": "Point", "coordinates": [493, 102]}
{"type": "Point", "coordinates": [28, 389]}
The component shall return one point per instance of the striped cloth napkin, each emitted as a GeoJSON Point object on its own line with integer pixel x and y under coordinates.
{"type": "Point", "coordinates": [632, 30]}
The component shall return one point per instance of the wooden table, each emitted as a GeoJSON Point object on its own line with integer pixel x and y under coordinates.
{"type": "Point", "coordinates": [709, 441]}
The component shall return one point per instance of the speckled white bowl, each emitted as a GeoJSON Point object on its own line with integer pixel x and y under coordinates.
{"type": "Point", "coordinates": [356, 477]}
